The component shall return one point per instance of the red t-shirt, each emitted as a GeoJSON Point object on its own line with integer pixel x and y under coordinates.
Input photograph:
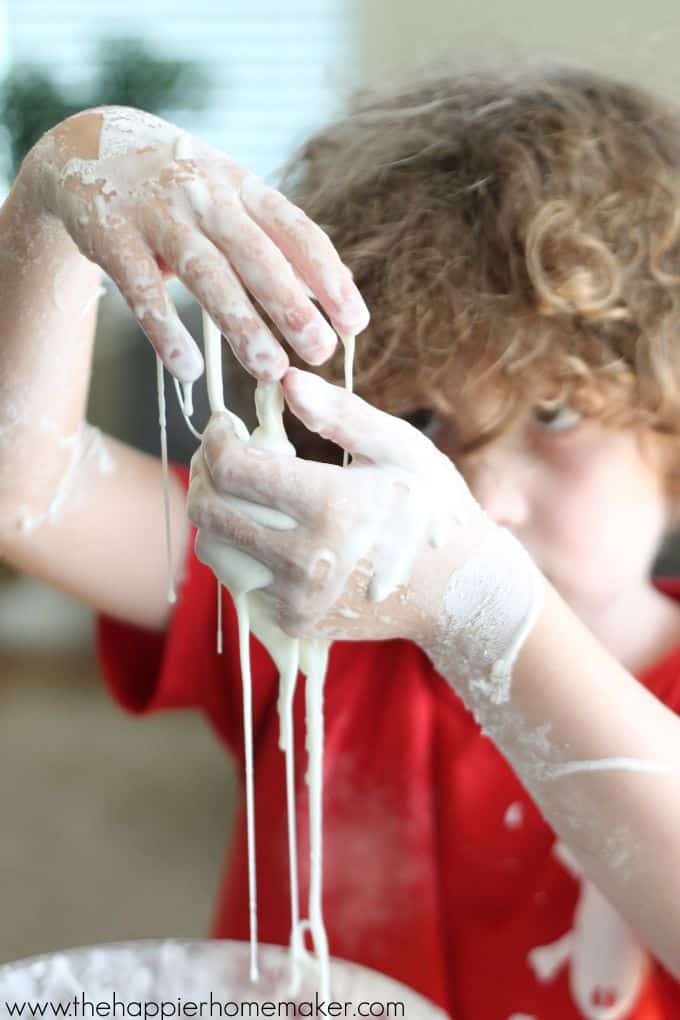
{"type": "Point", "coordinates": [439, 869]}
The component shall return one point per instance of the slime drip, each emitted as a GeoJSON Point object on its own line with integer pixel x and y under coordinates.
{"type": "Point", "coordinates": [162, 421]}
{"type": "Point", "coordinates": [239, 573]}
{"type": "Point", "coordinates": [348, 342]}
{"type": "Point", "coordinates": [243, 576]}
{"type": "Point", "coordinates": [187, 399]}
{"type": "Point", "coordinates": [186, 408]}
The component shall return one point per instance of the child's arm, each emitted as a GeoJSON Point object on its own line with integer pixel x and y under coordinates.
{"type": "Point", "coordinates": [104, 542]}
{"type": "Point", "coordinates": [621, 819]}
{"type": "Point", "coordinates": [598, 752]}
{"type": "Point", "coordinates": [127, 191]}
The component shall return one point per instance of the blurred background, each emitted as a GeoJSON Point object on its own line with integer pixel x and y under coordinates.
{"type": "Point", "coordinates": [115, 827]}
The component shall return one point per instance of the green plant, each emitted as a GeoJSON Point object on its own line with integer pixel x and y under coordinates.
{"type": "Point", "coordinates": [129, 74]}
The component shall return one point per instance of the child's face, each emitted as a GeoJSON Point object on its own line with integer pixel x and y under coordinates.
{"type": "Point", "coordinates": [583, 499]}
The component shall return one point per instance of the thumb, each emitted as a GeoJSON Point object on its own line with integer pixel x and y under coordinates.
{"type": "Point", "coordinates": [229, 423]}
{"type": "Point", "coordinates": [355, 425]}
{"type": "Point", "coordinates": [221, 420]}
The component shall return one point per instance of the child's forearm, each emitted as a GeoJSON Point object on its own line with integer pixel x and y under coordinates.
{"type": "Point", "coordinates": [601, 757]}
{"type": "Point", "coordinates": [48, 294]}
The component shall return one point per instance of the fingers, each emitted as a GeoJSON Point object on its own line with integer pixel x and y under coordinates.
{"type": "Point", "coordinates": [353, 424]}
{"type": "Point", "coordinates": [271, 479]}
{"type": "Point", "coordinates": [221, 520]}
{"type": "Point", "coordinates": [310, 251]}
{"type": "Point", "coordinates": [267, 274]}
{"type": "Point", "coordinates": [211, 515]}
{"type": "Point", "coordinates": [134, 270]}
{"type": "Point", "coordinates": [227, 250]}
{"type": "Point", "coordinates": [208, 275]}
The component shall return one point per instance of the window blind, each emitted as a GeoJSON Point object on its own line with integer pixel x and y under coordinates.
{"type": "Point", "coordinates": [276, 68]}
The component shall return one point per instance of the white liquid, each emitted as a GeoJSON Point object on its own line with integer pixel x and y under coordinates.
{"type": "Point", "coordinates": [186, 407]}
{"type": "Point", "coordinates": [160, 386]}
{"type": "Point", "coordinates": [568, 768]}
{"type": "Point", "coordinates": [349, 343]}
{"type": "Point", "coordinates": [241, 603]}
{"type": "Point", "coordinates": [287, 684]}
{"type": "Point", "coordinates": [212, 352]}
{"type": "Point", "coordinates": [187, 399]}
{"type": "Point", "coordinates": [243, 575]}
{"type": "Point", "coordinates": [316, 674]}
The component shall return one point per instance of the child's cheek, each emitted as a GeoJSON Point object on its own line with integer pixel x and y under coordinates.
{"type": "Point", "coordinates": [569, 508]}
{"type": "Point", "coordinates": [604, 515]}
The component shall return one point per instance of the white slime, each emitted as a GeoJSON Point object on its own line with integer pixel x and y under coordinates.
{"type": "Point", "coordinates": [162, 422]}
{"type": "Point", "coordinates": [243, 576]}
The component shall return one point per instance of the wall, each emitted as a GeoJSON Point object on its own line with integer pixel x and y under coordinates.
{"type": "Point", "coordinates": [633, 38]}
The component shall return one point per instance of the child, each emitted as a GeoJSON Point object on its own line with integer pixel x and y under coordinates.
{"type": "Point", "coordinates": [513, 235]}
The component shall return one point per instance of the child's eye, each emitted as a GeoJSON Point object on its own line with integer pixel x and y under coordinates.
{"type": "Point", "coordinates": [555, 417]}
{"type": "Point", "coordinates": [432, 426]}
{"type": "Point", "coordinates": [424, 420]}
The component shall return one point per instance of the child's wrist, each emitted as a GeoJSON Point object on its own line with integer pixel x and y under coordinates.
{"type": "Point", "coordinates": [479, 615]}
{"type": "Point", "coordinates": [29, 228]}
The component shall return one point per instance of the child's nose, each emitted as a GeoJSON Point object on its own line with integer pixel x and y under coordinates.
{"type": "Point", "coordinates": [499, 487]}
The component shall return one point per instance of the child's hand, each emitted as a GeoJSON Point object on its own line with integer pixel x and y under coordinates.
{"type": "Point", "coordinates": [394, 545]}
{"type": "Point", "coordinates": [352, 565]}
{"type": "Point", "coordinates": [143, 200]}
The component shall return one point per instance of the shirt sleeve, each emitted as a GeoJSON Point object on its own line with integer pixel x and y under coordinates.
{"type": "Point", "coordinates": [179, 668]}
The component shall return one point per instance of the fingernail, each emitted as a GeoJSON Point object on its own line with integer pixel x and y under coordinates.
{"type": "Point", "coordinates": [355, 310]}
{"type": "Point", "coordinates": [185, 363]}
{"type": "Point", "coordinates": [352, 322]}
{"type": "Point", "coordinates": [317, 343]}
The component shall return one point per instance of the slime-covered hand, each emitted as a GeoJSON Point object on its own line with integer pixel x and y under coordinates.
{"type": "Point", "coordinates": [394, 545]}
{"type": "Point", "coordinates": [144, 200]}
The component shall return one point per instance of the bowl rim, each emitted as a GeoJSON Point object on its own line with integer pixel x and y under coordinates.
{"type": "Point", "coordinates": [280, 951]}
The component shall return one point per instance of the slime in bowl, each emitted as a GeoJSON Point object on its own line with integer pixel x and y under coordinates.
{"type": "Point", "coordinates": [152, 971]}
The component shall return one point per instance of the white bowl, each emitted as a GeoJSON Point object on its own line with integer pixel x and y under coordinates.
{"type": "Point", "coordinates": [153, 971]}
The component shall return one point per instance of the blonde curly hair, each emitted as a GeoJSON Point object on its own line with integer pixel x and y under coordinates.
{"type": "Point", "coordinates": [508, 228]}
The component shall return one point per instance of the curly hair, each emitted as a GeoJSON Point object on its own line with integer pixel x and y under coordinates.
{"type": "Point", "coordinates": [508, 227]}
